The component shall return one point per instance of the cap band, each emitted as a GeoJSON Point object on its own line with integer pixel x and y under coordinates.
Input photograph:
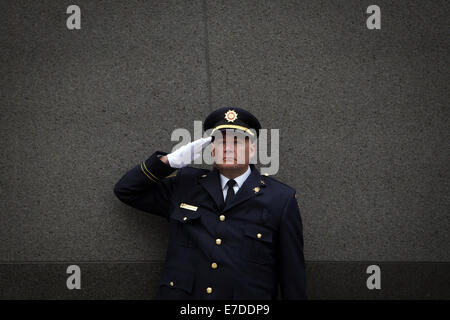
{"type": "Point", "coordinates": [232, 126]}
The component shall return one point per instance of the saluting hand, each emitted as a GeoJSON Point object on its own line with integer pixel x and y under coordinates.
{"type": "Point", "coordinates": [186, 154]}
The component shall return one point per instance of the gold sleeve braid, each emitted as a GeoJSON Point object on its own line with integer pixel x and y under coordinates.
{"type": "Point", "coordinates": [149, 175]}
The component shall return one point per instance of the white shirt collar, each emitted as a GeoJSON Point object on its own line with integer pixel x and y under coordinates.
{"type": "Point", "coordinates": [239, 180]}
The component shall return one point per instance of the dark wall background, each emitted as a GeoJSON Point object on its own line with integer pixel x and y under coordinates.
{"type": "Point", "coordinates": [364, 119]}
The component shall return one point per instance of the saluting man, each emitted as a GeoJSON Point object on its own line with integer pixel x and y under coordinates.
{"type": "Point", "coordinates": [234, 234]}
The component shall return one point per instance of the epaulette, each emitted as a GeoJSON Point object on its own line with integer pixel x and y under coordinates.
{"type": "Point", "coordinates": [193, 172]}
{"type": "Point", "coordinates": [189, 171]}
{"type": "Point", "coordinates": [171, 175]}
{"type": "Point", "coordinates": [271, 178]}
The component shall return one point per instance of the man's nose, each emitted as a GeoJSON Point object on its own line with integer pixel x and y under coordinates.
{"type": "Point", "coordinates": [228, 146]}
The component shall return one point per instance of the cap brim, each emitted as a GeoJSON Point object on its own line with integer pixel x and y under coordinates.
{"type": "Point", "coordinates": [233, 126]}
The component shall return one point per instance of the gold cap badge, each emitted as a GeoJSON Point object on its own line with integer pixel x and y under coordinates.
{"type": "Point", "coordinates": [231, 115]}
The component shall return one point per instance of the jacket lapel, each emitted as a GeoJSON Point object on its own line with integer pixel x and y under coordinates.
{"type": "Point", "coordinates": [211, 183]}
{"type": "Point", "coordinates": [250, 188]}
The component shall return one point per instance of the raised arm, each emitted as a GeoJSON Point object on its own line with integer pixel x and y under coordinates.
{"type": "Point", "coordinates": [148, 186]}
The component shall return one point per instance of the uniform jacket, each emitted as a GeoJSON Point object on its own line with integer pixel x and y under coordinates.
{"type": "Point", "coordinates": [250, 249]}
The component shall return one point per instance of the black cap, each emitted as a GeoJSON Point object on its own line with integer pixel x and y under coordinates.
{"type": "Point", "coordinates": [232, 118]}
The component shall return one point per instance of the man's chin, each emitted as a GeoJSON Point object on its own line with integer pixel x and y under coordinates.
{"type": "Point", "coordinates": [230, 166]}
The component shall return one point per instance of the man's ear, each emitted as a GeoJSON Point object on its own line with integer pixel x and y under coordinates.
{"type": "Point", "coordinates": [252, 149]}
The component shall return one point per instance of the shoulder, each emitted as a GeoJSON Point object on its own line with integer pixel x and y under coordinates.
{"type": "Point", "coordinates": [278, 185]}
{"type": "Point", "coordinates": [187, 172]}
{"type": "Point", "coordinates": [191, 172]}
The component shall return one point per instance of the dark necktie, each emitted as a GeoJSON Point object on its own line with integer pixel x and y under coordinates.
{"type": "Point", "coordinates": [230, 192]}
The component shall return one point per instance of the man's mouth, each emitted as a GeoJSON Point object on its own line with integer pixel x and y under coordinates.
{"type": "Point", "coordinates": [228, 159]}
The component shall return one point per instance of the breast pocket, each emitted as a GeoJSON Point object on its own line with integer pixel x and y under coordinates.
{"type": "Point", "coordinates": [185, 220]}
{"type": "Point", "coordinates": [258, 244]}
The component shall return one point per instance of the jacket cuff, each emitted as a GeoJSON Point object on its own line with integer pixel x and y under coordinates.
{"type": "Point", "coordinates": [154, 168]}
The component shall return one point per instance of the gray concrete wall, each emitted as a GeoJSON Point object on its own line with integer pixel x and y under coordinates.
{"type": "Point", "coordinates": [364, 119]}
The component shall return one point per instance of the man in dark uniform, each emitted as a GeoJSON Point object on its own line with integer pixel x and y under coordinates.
{"type": "Point", "coordinates": [234, 234]}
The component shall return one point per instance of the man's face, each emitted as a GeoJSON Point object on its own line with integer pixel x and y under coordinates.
{"type": "Point", "coordinates": [232, 149]}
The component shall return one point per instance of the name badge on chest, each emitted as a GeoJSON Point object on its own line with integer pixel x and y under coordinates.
{"type": "Point", "coordinates": [188, 206]}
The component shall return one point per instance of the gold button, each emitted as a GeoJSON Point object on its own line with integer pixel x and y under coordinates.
{"type": "Point", "coordinates": [222, 217]}
{"type": "Point", "coordinates": [259, 235]}
{"type": "Point", "coordinates": [209, 290]}
{"type": "Point", "coordinates": [214, 265]}
{"type": "Point", "coordinates": [185, 218]}
{"type": "Point", "coordinates": [218, 241]}
{"type": "Point", "coordinates": [171, 283]}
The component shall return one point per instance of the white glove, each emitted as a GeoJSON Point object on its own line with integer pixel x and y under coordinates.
{"type": "Point", "coordinates": [187, 153]}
